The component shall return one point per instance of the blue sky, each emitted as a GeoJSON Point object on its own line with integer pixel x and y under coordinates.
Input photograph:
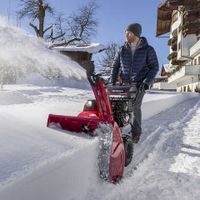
{"type": "Point", "coordinates": [113, 17]}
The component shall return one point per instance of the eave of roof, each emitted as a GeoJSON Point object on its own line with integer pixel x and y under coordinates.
{"type": "Point", "coordinates": [163, 19]}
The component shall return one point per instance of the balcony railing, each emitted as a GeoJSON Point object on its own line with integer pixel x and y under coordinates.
{"type": "Point", "coordinates": [183, 72]}
{"type": "Point", "coordinates": [176, 62]}
{"type": "Point", "coordinates": [176, 3]}
{"type": "Point", "coordinates": [191, 27]}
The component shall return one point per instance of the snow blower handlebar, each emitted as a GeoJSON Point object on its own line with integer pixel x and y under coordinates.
{"type": "Point", "coordinates": [101, 96]}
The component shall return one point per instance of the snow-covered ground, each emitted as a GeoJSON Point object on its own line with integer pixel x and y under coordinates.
{"type": "Point", "coordinates": [37, 162]}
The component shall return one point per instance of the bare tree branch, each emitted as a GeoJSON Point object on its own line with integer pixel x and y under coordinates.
{"type": "Point", "coordinates": [79, 26]}
{"type": "Point", "coordinates": [65, 43]}
{"type": "Point", "coordinates": [35, 28]}
{"type": "Point", "coordinates": [35, 9]}
{"type": "Point", "coordinates": [57, 37]}
{"type": "Point", "coordinates": [106, 61]}
{"type": "Point", "coordinates": [48, 28]}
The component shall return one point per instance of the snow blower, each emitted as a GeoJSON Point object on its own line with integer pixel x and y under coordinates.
{"type": "Point", "coordinates": [112, 107]}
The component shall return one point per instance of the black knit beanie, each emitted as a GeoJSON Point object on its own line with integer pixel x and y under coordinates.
{"type": "Point", "coordinates": [135, 28]}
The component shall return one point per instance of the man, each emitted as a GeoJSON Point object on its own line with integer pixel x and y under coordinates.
{"type": "Point", "coordinates": [135, 62]}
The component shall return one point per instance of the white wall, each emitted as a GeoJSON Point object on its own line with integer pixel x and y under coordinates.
{"type": "Point", "coordinates": [164, 86]}
{"type": "Point", "coordinates": [187, 43]}
{"type": "Point", "coordinates": [195, 49]}
{"type": "Point", "coordinates": [192, 87]}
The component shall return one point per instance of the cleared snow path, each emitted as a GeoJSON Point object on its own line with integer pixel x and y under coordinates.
{"type": "Point", "coordinates": [166, 161]}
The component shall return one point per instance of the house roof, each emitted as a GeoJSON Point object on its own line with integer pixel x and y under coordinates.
{"type": "Point", "coordinates": [90, 48]}
{"type": "Point", "coordinates": [163, 19]}
{"type": "Point", "coordinates": [166, 68]}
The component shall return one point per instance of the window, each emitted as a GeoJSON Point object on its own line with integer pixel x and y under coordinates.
{"type": "Point", "coordinates": [199, 60]}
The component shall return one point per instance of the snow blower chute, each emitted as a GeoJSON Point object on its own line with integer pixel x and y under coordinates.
{"type": "Point", "coordinates": [105, 109]}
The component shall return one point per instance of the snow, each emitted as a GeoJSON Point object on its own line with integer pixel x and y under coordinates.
{"type": "Point", "coordinates": [90, 48]}
{"type": "Point", "coordinates": [37, 162]}
{"type": "Point", "coordinates": [159, 167]}
{"type": "Point", "coordinates": [168, 68]}
{"type": "Point", "coordinates": [34, 63]}
{"type": "Point", "coordinates": [29, 148]}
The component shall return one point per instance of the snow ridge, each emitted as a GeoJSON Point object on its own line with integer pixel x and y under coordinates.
{"type": "Point", "coordinates": [160, 173]}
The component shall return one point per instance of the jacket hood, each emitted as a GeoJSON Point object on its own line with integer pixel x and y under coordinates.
{"type": "Point", "coordinates": [143, 43]}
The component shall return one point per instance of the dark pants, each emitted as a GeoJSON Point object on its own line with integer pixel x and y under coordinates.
{"type": "Point", "coordinates": [137, 113]}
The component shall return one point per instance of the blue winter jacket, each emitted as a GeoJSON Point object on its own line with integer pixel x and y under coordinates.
{"type": "Point", "coordinates": [141, 67]}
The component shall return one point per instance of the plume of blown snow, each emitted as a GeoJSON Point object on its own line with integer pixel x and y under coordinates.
{"type": "Point", "coordinates": [3, 21]}
{"type": "Point", "coordinates": [32, 62]}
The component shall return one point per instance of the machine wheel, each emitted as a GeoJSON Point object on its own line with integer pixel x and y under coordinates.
{"type": "Point", "coordinates": [128, 148]}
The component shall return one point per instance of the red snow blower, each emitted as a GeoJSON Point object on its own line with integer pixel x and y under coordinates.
{"type": "Point", "coordinates": [111, 109]}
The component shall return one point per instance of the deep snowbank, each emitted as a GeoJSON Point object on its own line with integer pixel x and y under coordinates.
{"type": "Point", "coordinates": [67, 176]}
{"type": "Point", "coordinates": [32, 62]}
{"type": "Point", "coordinates": [34, 156]}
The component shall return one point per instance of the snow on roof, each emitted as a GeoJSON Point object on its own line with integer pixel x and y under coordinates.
{"type": "Point", "coordinates": [168, 68]}
{"type": "Point", "coordinates": [90, 48]}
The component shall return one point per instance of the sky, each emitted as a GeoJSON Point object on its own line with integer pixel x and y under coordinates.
{"type": "Point", "coordinates": [113, 17]}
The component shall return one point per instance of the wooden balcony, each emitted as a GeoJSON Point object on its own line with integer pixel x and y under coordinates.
{"type": "Point", "coordinates": [192, 14]}
{"type": "Point", "coordinates": [177, 62]}
{"type": "Point", "coordinates": [192, 17]}
{"type": "Point", "coordinates": [165, 10]}
{"type": "Point", "coordinates": [176, 3]}
{"type": "Point", "coordinates": [191, 27]}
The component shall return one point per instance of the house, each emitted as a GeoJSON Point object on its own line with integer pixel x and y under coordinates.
{"type": "Point", "coordinates": [82, 53]}
{"type": "Point", "coordinates": [181, 19]}
{"type": "Point", "coordinates": [161, 82]}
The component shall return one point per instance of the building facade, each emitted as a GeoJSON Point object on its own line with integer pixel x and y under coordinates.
{"type": "Point", "coordinates": [181, 19]}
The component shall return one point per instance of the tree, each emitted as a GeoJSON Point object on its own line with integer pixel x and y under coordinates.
{"type": "Point", "coordinates": [79, 26]}
{"type": "Point", "coordinates": [36, 9]}
{"type": "Point", "coordinates": [59, 32]}
{"type": "Point", "coordinates": [105, 62]}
